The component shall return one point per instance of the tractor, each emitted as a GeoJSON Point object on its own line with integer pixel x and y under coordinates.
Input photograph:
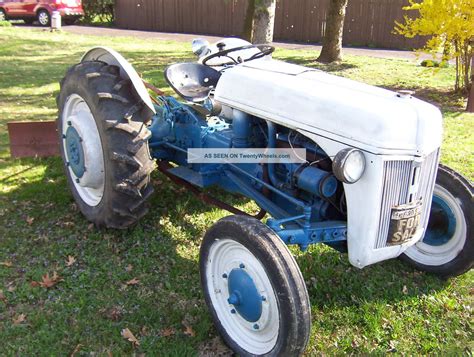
{"type": "Point", "coordinates": [369, 184]}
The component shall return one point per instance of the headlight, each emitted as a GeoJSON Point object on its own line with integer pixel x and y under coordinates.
{"type": "Point", "coordinates": [349, 165]}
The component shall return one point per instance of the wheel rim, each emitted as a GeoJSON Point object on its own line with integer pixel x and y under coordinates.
{"type": "Point", "coordinates": [242, 296]}
{"type": "Point", "coordinates": [43, 18]}
{"type": "Point", "coordinates": [83, 150]}
{"type": "Point", "coordinates": [2, 16]}
{"type": "Point", "coordinates": [446, 232]}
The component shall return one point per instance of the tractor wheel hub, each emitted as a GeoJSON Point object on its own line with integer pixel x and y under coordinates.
{"type": "Point", "coordinates": [244, 296]}
{"type": "Point", "coordinates": [75, 151]}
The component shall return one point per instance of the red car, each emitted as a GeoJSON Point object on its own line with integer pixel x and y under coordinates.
{"type": "Point", "coordinates": [40, 10]}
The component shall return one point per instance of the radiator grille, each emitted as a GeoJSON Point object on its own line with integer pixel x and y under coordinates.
{"type": "Point", "coordinates": [404, 182]}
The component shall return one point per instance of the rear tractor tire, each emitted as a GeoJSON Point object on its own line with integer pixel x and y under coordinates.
{"type": "Point", "coordinates": [104, 144]}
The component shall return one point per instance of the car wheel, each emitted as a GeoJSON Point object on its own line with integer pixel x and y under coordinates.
{"type": "Point", "coordinates": [254, 289]}
{"type": "Point", "coordinates": [3, 15]}
{"type": "Point", "coordinates": [44, 18]}
{"type": "Point", "coordinates": [447, 248]}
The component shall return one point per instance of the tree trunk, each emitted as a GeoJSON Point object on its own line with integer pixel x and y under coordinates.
{"type": "Point", "coordinates": [263, 21]}
{"type": "Point", "coordinates": [259, 21]}
{"type": "Point", "coordinates": [332, 41]}
{"type": "Point", "coordinates": [248, 23]}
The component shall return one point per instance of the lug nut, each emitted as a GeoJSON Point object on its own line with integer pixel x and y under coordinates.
{"type": "Point", "coordinates": [224, 276]}
{"type": "Point", "coordinates": [256, 327]}
{"type": "Point", "coordinates": [241, 266]}
{"type": "Point", "coordinates": [232, 311]}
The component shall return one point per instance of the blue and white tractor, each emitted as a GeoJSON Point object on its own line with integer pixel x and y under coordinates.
{"type": "Point", "coordinates": [369, 185]}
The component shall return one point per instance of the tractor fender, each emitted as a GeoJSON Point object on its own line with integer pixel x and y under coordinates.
{"type": "Point", "coordinates": [127, 71]}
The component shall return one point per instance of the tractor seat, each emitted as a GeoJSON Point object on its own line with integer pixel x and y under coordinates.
{"type": "Point", "coordinates": [192, 81]}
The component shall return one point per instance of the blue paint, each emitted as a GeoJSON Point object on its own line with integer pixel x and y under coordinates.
{"type": "Point", "coordinates": [441, 223]}
{"type": "Point", "coordinates": [295, 196]}
{"type": "Point", "coordinates": [75, 151]}
{"type": "Point", "coordinates": [244, 296]}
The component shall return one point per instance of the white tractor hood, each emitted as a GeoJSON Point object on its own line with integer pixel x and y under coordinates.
{"type": "Point", "coordinates": [371, 118]}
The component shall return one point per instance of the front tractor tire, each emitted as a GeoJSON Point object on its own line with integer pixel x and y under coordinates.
{"type": "Point", "coordinates": [447, 248]}
{"type": "Point", "coordinates": [104, 144]}
{"type": "Point", "coordinates": [254, 289]}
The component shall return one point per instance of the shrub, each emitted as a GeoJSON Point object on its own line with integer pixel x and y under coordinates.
{"type": "Point", "coordinates": [5, 24]}
{"type": "Point", "coordinates": [101, 10]}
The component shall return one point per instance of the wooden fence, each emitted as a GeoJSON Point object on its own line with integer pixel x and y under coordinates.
{"type": "Point", "coordinates": [367, 23]}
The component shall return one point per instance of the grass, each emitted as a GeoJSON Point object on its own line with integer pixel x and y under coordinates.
{"type": "Point", "coordinates": [387, 307]}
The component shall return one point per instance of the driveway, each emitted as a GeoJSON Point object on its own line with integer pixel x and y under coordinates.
{"type": "Point", "coordinates": [106, 31]}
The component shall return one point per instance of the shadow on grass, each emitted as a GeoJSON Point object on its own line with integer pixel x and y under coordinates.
{"type": "Point", "coordinates": [445, 99]}
{"type": "Point", "coordinates": [312, 63]}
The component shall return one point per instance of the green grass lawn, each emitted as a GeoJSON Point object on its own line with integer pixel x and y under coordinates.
{"type": "Point", "coordinates": [387, 307]}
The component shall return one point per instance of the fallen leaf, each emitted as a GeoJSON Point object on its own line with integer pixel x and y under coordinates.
{"type": "Point", "coordinates": [128, 335]}
{"type": "Point", "coordinates": [47, 281]}
{"type": "Point", "coordinates": [2, 296]}
{"type": "Point", "coordinates": [134, 281]}
{"type": "Point", "coordinates": [11, 288]}
{"type": "Point", "coordinates": [167, 332]}
{"type": "Point", "coordinates": [7, 263]}
{"type": "Point", "coordinates": [129, 268]}
{"type": "Point", "coordinates": [70, 260]}
{"type": "Point", "coordinates": [29, 220]}
{"type": "Point", "coordinates": [188, 330]}
{"type": "Point", "coordinates": [405, 289]}
{"type": "Point", "coordinates": [76, 350]}
{"type": "Point", "coordinates": [115, 313]}
{"type": "Point", "coordinates": [21, 318]}
{"type": "Point", "coordinates": [90, 226]}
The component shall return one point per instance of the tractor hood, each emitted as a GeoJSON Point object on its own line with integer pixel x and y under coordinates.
{"type": "Point", "coordinates": [360, 115]}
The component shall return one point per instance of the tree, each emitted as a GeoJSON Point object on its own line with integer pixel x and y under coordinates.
{"type": "Point", "coordinates": [332, 40]}
{"type": "Point", "coordinates": [450, 23]}
{"type": "Point", "coordinates": [259, 21]}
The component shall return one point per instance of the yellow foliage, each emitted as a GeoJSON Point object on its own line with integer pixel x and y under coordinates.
{"type": "Point", "coordinates": [450, 25]}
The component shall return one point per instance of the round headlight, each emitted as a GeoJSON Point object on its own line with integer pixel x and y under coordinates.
{"type": "Point", "coordinates": [349, 165]}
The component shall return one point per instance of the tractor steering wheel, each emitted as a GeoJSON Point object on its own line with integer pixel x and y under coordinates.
{"type": "Point", "coordinates": [265, 50]}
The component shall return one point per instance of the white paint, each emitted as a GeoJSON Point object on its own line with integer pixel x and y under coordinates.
{"type": "Point", "coordinates": [227, 254]}
{"type": "Point", "coordinates": [127, 71]}
{"type": "Point", "coordinates": [360, 115]}
{"type": "Point", "coordinates": [91, 185]}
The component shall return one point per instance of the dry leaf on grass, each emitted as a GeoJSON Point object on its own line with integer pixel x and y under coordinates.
{"type": "Point", "coordinates": [76, 350]}
{"type": "Point", "coordinates": [134, 281]}
{"type": "Point", "coordinates": [405, 289]}
{"type": "Point", "coordinates": [128, 335]}
{"type": "Point", "coordinates": [129, 268]}
{"type": "Point", "coordinates": [20, 319]}
{"type": "Point", "coordinates": [70, 260]}
{"type": "Point", "coordinates": [30, 220]}
{"type": "Point", "coordinates": [188, 330]}
{"type": "Point", "coordinates": [47, 281]}
{"type": "Point", "coordinates": [2, 296]}
{"type": "Point", "coordinates": [167, 332]}
{"type": "Point", "coordinates": [7, 264]}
